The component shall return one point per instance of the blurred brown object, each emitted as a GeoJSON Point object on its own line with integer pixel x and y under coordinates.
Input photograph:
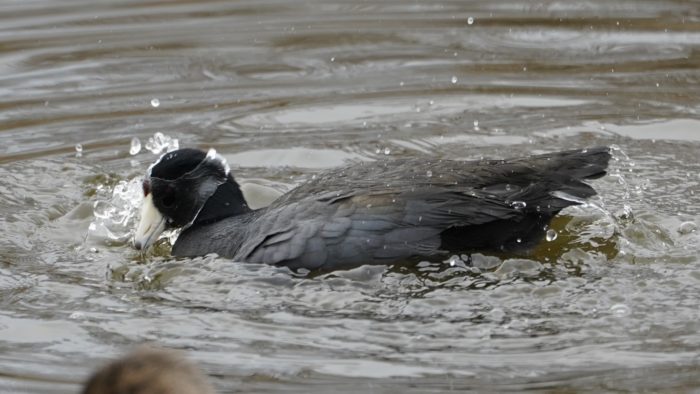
{"type": "Point", "coordinates": [149, 370]}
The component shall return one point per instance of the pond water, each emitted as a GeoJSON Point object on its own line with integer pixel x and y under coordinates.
{"type": "Point", "coordinates": [284, 89]}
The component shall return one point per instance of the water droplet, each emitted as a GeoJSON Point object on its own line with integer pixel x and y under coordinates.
{"type": "Point", "coordinates": [518, 204]}
{"type": "Point", "coordinates": [454, 79]}
{"type": "Point", "coordinates": [78, 150]}
{"type": "Point", "coordinates": [135, 146]}
{"type": "Point", "coordinates": [551, 235]}
{"type": "Point", "coordinates": [155, 103]}
{"type": "Point", "coordinates": [77, 315]}
{"type": "Point", "coordinates": [160, 142]}
{"type": "Point", "coordinates": [429, 173]}
{"type": "Point", "coordinates": [687, 227]}
{"type": "Point", "coordinates": [620, 310]}
{"type": "Point", "coordinates": [470, 21]}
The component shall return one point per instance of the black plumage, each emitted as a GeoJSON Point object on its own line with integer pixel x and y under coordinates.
{"type": "Point", "coordinates": [376, 212]}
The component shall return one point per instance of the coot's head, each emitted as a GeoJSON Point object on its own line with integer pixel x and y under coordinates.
{"type": "Point", "coordinates": [176, 189]}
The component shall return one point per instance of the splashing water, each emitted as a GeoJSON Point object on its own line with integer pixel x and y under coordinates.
{"type": "Point", "coordinates": [160, 142]}
{"type": "Point", "coordinates": [116, 213]}
{"type": "Point", "coordinates": [115, 216]}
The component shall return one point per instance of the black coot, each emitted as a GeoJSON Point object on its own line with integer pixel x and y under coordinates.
{"type": "Point", "coordinates": [369, 213]}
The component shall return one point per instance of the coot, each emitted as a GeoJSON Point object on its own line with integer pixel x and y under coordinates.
{"type": "Point", "coordinates": [367, 213]}
{"type": "Point", "coordinates": [149, 370]}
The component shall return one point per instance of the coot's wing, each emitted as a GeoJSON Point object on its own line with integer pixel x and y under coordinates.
{"type": "Point", "coordinates": [381, 212]}
{"type": "Point", "coordinates": [564, 169]}
{"type": "Point", "coordinates": [364, 229]}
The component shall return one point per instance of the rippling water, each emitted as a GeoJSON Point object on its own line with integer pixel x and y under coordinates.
{"type": "Point", "coordinates": [284, 89]}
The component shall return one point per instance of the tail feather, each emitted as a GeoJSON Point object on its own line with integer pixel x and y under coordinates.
{"type": "Point", "coordinates": [579, 164]}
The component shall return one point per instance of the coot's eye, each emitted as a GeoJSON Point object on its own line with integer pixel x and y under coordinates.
{"type": "Point", "coordinates": [168, 198]}
{"type": "Point", "coordinates": [146, 187]}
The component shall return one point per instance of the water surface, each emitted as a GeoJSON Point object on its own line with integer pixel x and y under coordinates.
{"type": "Point", "coordinates": [285, 89]}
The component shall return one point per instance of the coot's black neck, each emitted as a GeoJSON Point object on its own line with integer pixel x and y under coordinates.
{"type": "Point", "coordinates": [227, 201]}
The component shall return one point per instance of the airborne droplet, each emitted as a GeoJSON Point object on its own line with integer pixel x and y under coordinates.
{"type": "Point", "coordinates": [135, 146]}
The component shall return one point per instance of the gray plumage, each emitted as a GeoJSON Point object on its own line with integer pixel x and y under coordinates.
{"type": "Point", "coordinates": [390, 210]}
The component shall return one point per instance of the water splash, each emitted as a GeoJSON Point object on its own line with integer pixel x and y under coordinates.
{"type": "Point", "coordinates": [160, 142]}
{"type": "Point", "coordinates": [116, 211]}
{"type": "Point", "coordinates": [116, 215]}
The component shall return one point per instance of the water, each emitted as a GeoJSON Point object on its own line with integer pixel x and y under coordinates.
{"type": "Point", "coordinates": [283, 90]}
